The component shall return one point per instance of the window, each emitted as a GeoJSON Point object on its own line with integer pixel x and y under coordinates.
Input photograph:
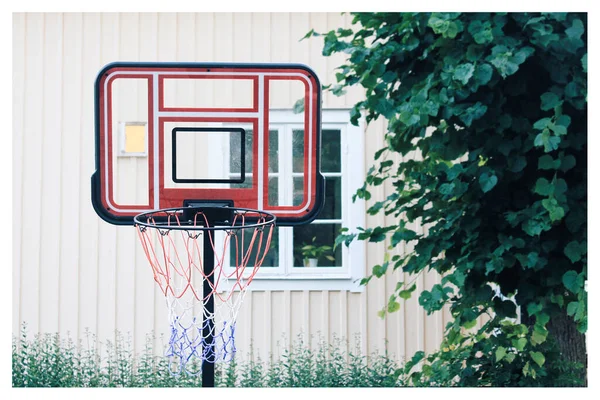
{"type": "Point", "coordinates": [342, 165]}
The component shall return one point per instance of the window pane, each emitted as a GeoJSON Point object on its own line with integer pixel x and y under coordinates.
{"type": "Point", "coordinates": [234, 157]}
{"type": "Point", "coordinates": [273, 150]}
{"type": "Point", "coordinates": [333, 198]}
{"type": "Point", "coordinates": [324, 237]}
{"type": "Point", "coordinates": [272, 257]}
{"type": "Point", "coordinates": [331, 155]}
{"type": "Point", "coordinates": [298, 190]}
{"type": "Point", "coordinates": [298, 150]}
{"type": "Point", "coordinates": [273, 191]}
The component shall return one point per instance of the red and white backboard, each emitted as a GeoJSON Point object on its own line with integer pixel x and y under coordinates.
{"type": "Point", "coordinates": [170, 134]}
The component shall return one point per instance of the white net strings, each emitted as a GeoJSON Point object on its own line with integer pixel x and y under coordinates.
{"type": "Point", "coordinates": [176, 259]}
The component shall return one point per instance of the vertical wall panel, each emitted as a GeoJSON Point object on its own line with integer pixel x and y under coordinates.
{"type": "Point", "coordinates": [318, 22]}
{"type": "Point", "coordinates": [167, 52]}
{"type": "Point", "coordinates": [128, 24]}
{"type": "Point", "coordinates": [334, 22]}
{"type": "Point", "coordinates": [259, 332]}
{"type": "Point", "coordinates": [88, 219]}
{"type": "Point", "coordinates": [51, 174]}
{"type": "Point", "coordinates": [260, 34]}
{"type": "Point", "coordinates": [71, 81]}
{"type": "Point", "coordinates": [299, 50]}
{"type": "Point", "coordinates": [32, 171]}
{"type": "Point", "coordinates": [18, 121]}
{"type": "Point", "coordinates": [279, 330]}
{"type": "Point", "coordinates": [107, 243]}
{"type": "Point", "coordinates": [205, 37]}
{"type": "Point", "coordinates": [376, 293]}
{"type": "Point", "coordinates": [144, 312]}
{"type": "Point", "coordinates": [279, 37]}
{"type": "Point", "coordinates": [315, 317]}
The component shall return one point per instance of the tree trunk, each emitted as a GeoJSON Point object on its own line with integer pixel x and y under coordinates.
{"type": "Point", "coordinates": [570, 341]}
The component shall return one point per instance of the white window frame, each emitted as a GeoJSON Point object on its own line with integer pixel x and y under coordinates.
{"type": "Point", "coordinates": [346, 277]}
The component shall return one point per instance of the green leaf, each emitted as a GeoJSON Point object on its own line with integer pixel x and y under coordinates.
{"type": "Point", "coordinates": [378, 270]}
{"type": "Point", "coordinates": [407, 117]}
{"type": "Point", "coordinates": [584, 62]}
{"type": "Point", "coordinates": [573, 251]}
{"type": "Point", "coordinates": [430, 107]}
{"type": "Point", "coordinates": [453, 29]}
{"type": "Point", "coordinates": [547, 162]}
{"type": "Point", "coordinates": [555, 211]}
{"type": "Point", "coordinates": [437, 24]}
{"type": "Point", "coordinates": [463, 73]}
{"type": "Point", "coordinates": [522, 54]}
{"type": "Point", "coordinates": [542, 123]}
{"type": "Point", "coordinates": [481, 31]}
{"type": "Point", "coordinates": [487, 182]}
{"type": "Point", "coordinates": [559, 130]}
{"type": "Point", "coordinates": [402, 234]}
{"type": "Point", "coordinates": [549, 142]}
{"type": "Point", "coordinates": [563, 120]}
{"type": "Point", "coordinates": [469, 324]}
{"type": "Point", "coordinates": [299, 106]}
{"type": "Point", "coordinates": [519, 344]}
{"type": "Point", "coordinates": [542, 319]}
{"type": "Point", "coordinates": [571, 281]}
{"type": "Point", "coordinates": [500, 353]}
{"type": "Point", "coordinates": [567, 162]}
{"type": "Point", "coordinates": [572, 308]}
{"type": "Point", "coordinates": [527, 369]}
{"type": "Point", "coordinates": [309, 34]}
{"type": "Point", "coordinates": [344, 32]}
{"type": "Point", "coordinates": [446, 188]}
{"type": "Point", "coordinates": [549, 101]}
{"type": "Point", "coordinates": [543, 187]}
{"type": "Point", "coordinates": [576, 29]}
{"type": "Point", "coordinates": [393, 306]}
{"type": "Point", "coordinates": [539, 334]}
{"type": "Point", "coordinates": [518, 163]}
{"type": "Point", "coordinates": [537, 357]}
{"type": "Point", "coordinates": [533, 308]}
{"type": "Point", "coordinates": [483, 73]}
{"type": "Point", "coordinates": [472, 113]}
{"type": "Point", "coordinates": [406, 294]}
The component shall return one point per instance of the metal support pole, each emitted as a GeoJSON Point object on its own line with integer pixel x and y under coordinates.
{"type": "Point", "coordinates": [208, 367]}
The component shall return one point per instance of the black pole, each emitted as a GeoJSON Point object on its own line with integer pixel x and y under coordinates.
{"type": "Point", "coordinates": [208, 367]}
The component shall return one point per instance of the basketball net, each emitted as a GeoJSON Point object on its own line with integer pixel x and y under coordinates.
{"type": "Point", "coordinates": [203, 305]}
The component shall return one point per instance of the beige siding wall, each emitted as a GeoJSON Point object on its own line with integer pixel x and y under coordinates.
{"type": "Point", "coordinates": [72, 271]}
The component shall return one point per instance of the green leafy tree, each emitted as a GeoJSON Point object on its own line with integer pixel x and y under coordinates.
{"type": "Point", "coordinates": [495, 105]}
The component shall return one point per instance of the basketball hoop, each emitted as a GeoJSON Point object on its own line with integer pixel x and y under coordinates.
{"type": "Point", "coordinates": [214, 162]}
{"type": "Point", "coordinates": [203, 259]}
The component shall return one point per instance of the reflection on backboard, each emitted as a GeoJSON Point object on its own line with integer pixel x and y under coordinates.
{"type": "Point", "coordinates": [200, 132]}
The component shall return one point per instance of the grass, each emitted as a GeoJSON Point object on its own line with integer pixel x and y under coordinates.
{"type": "Point", "coordinates": [52, 361]}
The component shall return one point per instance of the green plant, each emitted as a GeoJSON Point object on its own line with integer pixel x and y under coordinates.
{"type": "Point", "coordinates": [51, 361]}
{"type": "Point", "coordinates": [486, 145]}
{"type": "Point", "coordinates": [312, 250]}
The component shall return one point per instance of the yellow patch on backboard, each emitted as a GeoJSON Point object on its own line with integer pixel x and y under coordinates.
{"type": "Point", "coordinates": [135, 138]}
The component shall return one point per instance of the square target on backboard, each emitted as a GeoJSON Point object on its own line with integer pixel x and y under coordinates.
{"type": "Point", "coordinates": [169, 134]}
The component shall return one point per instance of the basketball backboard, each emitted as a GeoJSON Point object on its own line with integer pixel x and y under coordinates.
{"type": "Point", "coordinates": [171, 134]}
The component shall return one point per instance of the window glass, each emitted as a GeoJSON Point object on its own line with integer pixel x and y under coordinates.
{"type": "Point", "coordinates": [331, 156]}
{"type": "Point", "coordinates": [239, 248]}
{"type": "Point", "coordinates": [234, 158]}
{"type": "Point", "coordinates": [298, 150]}
{"type": "Point", "coordinates": [321, 238]}
{"type": "Point", "coordinates": [333, 198]}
